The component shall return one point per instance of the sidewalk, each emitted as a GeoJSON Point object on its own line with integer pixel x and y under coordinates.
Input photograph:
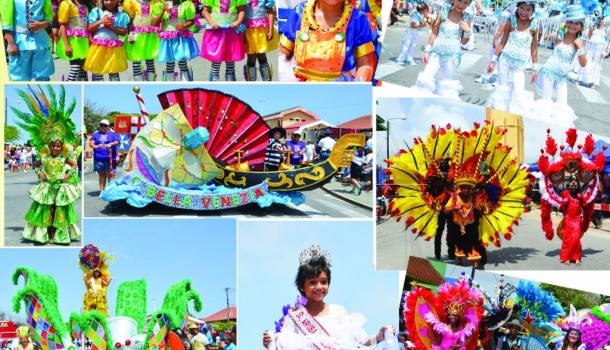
{"type": "Point", "coordinates": [364, 200]}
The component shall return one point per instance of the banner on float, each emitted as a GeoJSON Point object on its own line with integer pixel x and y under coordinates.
{"type": "Point", "coordinates": [211, 201]}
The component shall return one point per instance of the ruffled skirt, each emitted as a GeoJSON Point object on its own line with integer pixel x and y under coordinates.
{"type": "Point", "coordinates": [39, 217]}
{"type": "Point", "coordinates": [105, 60]}
{"type": "Point", "coordinates": [145, 47]}
{"type": "Point", "coordinates": [256, 40]}
{"type": "Point", "coordinates": [79, 45]}
{"type": "Point", "coordinates": [178, 49]}
{"type": "Point", "coordinates": [223, 45]}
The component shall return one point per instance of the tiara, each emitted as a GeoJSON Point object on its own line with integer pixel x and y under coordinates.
{"type": "Point", "coordinates": [314, 252]}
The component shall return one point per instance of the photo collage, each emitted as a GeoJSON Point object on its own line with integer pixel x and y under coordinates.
{"type": "Point", "coordinates": [177, 170]}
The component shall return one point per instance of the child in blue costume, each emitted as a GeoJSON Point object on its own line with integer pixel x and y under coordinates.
{"type": "Point", "coordinates": [409, 41]}
{"type": "Point", "coordinates": [519, 34]}
{"type": "Point", "coordinates": [107, 53]}
{"type": "Point", "coordinates": [177, 41]}
{"type": "Point", "coordinates": [328, 50]}
{"type": "Point", "coordinates": [24, 24]}
{"type": "Point", "coordinates": [261, 37]}
{"type": "Point", "coordinates": [449, 31]}
{"type": "Point", "coordinates": [553, 76]}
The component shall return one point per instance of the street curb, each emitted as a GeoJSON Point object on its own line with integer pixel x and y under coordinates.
{"type": "Point", "coordinates": [347, 199]}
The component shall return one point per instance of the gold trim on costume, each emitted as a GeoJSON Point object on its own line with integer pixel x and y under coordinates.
{"type": "Point", "coordinates": [287, 43]}
{"type": "Point", "coordinates": [364, 49]}
{"type": "Point", "coordinates": [345, 141]}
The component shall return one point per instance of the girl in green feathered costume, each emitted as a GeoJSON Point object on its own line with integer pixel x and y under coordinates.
{"type": "Point", "coordinates": [51, 217]}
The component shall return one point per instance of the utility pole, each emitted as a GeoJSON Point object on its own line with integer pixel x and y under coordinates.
{"type": "Point", "coordinates": [228, 308]}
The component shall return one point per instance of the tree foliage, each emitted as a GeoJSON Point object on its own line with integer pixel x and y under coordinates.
{"type": "Point", "coordinates": [567, 296]}
{"type": "Point", "coordinates": [11, 133]}
{"type": "Point", "coordinates": [222, 326]}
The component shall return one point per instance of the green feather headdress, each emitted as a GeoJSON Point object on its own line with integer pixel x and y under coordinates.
{"type": "Point", "coordinates": [49, 118]}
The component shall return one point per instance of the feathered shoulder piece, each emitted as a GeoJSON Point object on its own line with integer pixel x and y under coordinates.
{"type": "Point", "coordinates": [48, 118]}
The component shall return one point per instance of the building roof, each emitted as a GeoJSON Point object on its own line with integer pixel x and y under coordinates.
{"type": "Point", "coordinates": [222, 315]}
{"type": "Point", "coordinates": [421, 269]}
{"type": "Point", "coordinates": [281, 114]}
{"type": "Point", "coordinates": [299, 126]}
{"type": "Point", "coordinates": [364, 122]}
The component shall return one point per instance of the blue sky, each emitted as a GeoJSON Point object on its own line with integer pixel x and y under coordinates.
{"type": "Point", "coordinates": [162, 251]}
{"type": "Point", "coordinates": [12, 99]}
{"type": "Point", "coordinates": [269, 259]}
{"type": "Point", "coordinates": [423, 112]}
{"type": "Point", "coordinates": [335, 103]}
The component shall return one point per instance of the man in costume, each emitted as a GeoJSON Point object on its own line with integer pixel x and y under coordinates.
{"type": "Point", "coordinates": [488, 184]}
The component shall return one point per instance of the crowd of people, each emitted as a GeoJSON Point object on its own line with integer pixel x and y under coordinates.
{"type": "Point", "coordinates": [102, 38]}
{"type": "Point", "coordinates": [577, 34]}
{"type": "Point", "coordinates": [19, 158]}
{"type": "Point", "coordinates": [297, 153]}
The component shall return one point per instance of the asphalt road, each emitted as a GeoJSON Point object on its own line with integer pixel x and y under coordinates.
{"type": "Point", "coordinates": [590, 105]}
{"type": "Point", "coordinates": [201, 67]}
{"type": "Point", "coordinates": [16, 204]}
{"type": "Point", "coordinates": [318, 204]}
{"type": "Point", "coordinates": [527, 250]}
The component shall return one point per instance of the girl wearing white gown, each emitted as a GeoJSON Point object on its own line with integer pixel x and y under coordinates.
{"type": "Point", "coordinates": [519, 45]}
{"type": "Point", "coordinates": [553, 77]}
{"type": "Point", "coordinates": [596, 46]}
{"type": "Point", "coordinates": [443, 52]}
{"type": "Point", "coordinates": [317, 324]}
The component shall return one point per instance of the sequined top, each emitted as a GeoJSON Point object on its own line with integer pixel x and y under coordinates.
{"type": "Point", "coordinates": [53, 168]}
{"type": "Point", "coordinates": [447, 42]}
{"type": "Point", "coordinates": [517, 47]}
{"type": "Point", "coordinates": [558, 65]}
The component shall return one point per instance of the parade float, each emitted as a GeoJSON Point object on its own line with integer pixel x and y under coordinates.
{"type": "Point", "coordinates": [205, 151]}
{"type": "Point", "coordinates": [94, 329]}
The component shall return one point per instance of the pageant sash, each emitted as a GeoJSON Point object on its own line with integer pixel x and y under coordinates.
{"type": "Point", "coordinates": [307, 325]}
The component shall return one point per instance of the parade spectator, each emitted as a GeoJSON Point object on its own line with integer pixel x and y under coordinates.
{"type": "Point", "coordinates": [23, 160]}
{"type": "Point", "coordinates": [230, 345]}
{"type": "Point", "coordinates": [511, 340]}
{"type": "Point", "coordinates": [198, 340]}
{"type": "Point", "coordinates": [310, 153]}
{"type": "Point", "coordinates": [274, 154]}
{"type": "Point", "coordinates": [571, 341]}
{"type": "Point", "coordinates": [297, 149]}
{"type": "Point", "coordinates": [355, 171]}
{"type": "Point", "coordinates": [104, 144]}
{"type": "Point", "coordinates": [326, 145]}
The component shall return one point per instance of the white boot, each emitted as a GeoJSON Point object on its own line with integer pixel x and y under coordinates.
{"type": "Point", "coordinates": [138, 77]}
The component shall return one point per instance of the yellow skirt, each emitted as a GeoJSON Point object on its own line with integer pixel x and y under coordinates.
{"type": "Point", "coordinates": [256, 40]}
{"type": "Point", "coordinates": [105, 60]}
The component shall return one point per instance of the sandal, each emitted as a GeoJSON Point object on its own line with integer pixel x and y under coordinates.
{"type": "Point", "coordinates": [567, 262]}
{"type": "Point", "coordinates": [578, 263]}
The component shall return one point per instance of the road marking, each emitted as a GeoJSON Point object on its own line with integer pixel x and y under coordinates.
{"type": "Point", "coordinates": [309, 211]}
{"type": "Point", "coordinates": [605, 80]}
{"type": "Point", "coordinates": [592, 95]}
{"type": "Point", "coordinates": [468, 60]}
{"type": "Point", "coordinates": [386, 69]}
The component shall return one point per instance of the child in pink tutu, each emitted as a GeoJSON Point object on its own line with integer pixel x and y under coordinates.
{"type": "Point", "coordinates": [177, 41]}
{"type": "Point", "coordinates": [261, 37]}
{"type": "Point", "coordinates": [106, 52]}
{"type": "Point", "coordinates": [223, 40]}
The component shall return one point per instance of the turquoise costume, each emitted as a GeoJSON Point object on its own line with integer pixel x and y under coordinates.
{"type": "Point", "coordinates": [34, 60]}
{"type": "Point", "coordinates": [55, 195]}
{"type": "Point", "coordinates": [513, 60]}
